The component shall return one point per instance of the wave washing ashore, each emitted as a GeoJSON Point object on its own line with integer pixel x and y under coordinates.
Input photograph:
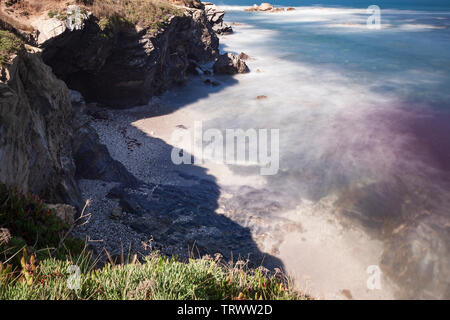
{"type": "Point", "coordinates": [359, 206]}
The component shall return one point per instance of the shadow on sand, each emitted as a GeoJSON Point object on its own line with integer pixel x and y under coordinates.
{"type": "Point", "coordinates": [178, 207]}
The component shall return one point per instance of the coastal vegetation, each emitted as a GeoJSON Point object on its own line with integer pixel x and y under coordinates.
{"type": "Point", "coordinates": [39, 261]}
{"type": "Point", "coordinates": [144, 13]}
{"type": "Point", "coordinates": [9, 44]}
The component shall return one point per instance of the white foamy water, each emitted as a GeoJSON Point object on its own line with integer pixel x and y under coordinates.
{"type": "Point", "coordinates": [364, 121]}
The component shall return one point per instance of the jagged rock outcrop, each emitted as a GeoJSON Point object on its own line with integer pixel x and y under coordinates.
{"type": "Point", "coordinates": [128, 68]}
{"type": "Point", "coordinates": [228, 63]}
{"type": "Point", "coordinates": [47, 29]}
{"type": "Point", "coordinates": [215, 18]}
{"type": "Point", "coordinates": [36, 132]}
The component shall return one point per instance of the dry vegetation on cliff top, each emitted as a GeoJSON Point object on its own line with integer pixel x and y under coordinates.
{"type": "Point", "coordinates": [9, 45]}
{"type": "Point", "coordinates": [135, 11]}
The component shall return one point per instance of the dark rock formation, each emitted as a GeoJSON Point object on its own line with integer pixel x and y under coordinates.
{"type": "Point", "coordinates": [228, 63]}
{"type": "Point", "coordinates": [92, 158]}
{"type": "Point", "coordinates": [42, 137]}
{"type": "Point", "coordinates": [243, 56]}
{"type": "Point", "coordinates": [215, 18]}
{"type": "Point", "coordinates": [128, 68]}
{"type": "Point", "coordinates": [36, 132]}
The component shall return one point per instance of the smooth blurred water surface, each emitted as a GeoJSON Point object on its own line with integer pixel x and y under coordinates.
{"type": "Point", "coordinates": [364, 119]}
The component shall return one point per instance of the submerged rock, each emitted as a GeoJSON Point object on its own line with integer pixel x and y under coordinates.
{"type": "Point", "coordinates": [417, 255]}
{"type": "Point", "coordinates": [228, 63]}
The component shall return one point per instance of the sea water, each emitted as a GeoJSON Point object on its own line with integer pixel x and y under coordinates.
{"type": "Point", "coordinates": [364, 120]}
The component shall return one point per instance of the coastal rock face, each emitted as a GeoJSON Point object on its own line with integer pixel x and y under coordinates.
{"type": "Point", "coordinates": [47, 29]}
{"type": "Point", "coordinates": [215, 18]}
{"type": "Point", "coordinates": [128, 68]}
{"type": "Point", "coordinates": [36, 132]}
{"type": "Point", "coordinates": [228, 63]}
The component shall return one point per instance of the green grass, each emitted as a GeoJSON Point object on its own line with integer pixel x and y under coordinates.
{"type": "Point", "coordinates": [156, 278]}
{"type": "Point", "coordinates": [32, 226]}
{"type": "Point", "coordinates": [9, 44]}
{"type": "Point", "coordinates": [31, 268]}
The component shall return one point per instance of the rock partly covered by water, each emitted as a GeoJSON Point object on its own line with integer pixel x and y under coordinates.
{"type": "Point", "coordinates": [229, 63]}
{"type": "Point", "coordinates": [267, 7]}
{"type": "Point", "coordinates": [417, 255]}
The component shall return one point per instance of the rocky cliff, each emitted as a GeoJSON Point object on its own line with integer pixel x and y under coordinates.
{"type": "Point", "coordinates": [126, 67]}
{"type": "Point", "coordinates": [46, 141]}
{"type": "Point", "coordinates": [36, 131]}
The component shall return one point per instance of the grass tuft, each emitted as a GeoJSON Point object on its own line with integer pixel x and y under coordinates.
{"type": "Point", "coordinates": [9, 44]}
{"type": "Point", "coordinates": [156, 278]}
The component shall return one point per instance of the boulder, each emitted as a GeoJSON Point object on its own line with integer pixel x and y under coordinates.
{"type": "Point", "coordinates": [255, 7]}
{"type": "Point", "coordinates": [265, 7]}
{"type": "Point", "coordinates": [228, 63]}
{"type": "Point", "coordinates": [243, 56]}
{"type": "Point", "coordinates": [64, 212]}
{"type": "Point", "coordinates": [116, 213]}
{"type": "Point", "coordinates": [215, 17]}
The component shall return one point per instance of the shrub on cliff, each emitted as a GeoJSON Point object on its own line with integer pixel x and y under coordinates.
{"type": "Point", "coordinates": [28, 224]}
{"type": "Point", "coordinates": [118, 13]}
